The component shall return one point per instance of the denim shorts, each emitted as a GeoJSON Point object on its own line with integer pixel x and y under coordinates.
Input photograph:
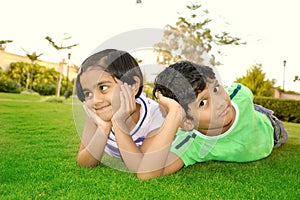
{"type": "Point", "coordinates": [280, 134]}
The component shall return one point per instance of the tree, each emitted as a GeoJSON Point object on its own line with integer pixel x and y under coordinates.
{"type": "Point", "coordinates": [255, 80]}
{"type": "Point", "coordinates": [33, 57]}
{"type": "Point", "coordinates": [3, 42]}
{"type": "Point", "coordinates": [59, 47]}
{"type": "Point", "coordinates": [191, 39]}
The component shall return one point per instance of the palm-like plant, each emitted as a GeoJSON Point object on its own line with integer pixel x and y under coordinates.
{"type": "Point", "coordinates": [3, 42]}
{"type": "Point", "coordinates": [60, 47]}
{"type": "Point", "coordinates": [33, 58]}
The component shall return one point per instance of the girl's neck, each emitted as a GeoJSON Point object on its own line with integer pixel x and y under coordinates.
{"type": "Point", "coordinates": [132, 121]}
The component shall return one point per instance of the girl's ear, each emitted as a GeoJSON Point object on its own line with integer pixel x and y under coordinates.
{"type": "Point", "coordinates": [187, 124]}
{"type": "Point", "coordinates": [136, 85]}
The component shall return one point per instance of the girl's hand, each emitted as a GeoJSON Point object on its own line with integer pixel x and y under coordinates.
{"type": "Point", "coordinates": [122, 116]}
{"type": "Point", "coordinates": [105, 125]}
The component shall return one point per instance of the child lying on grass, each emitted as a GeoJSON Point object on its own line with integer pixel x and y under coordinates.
{"type": "Point", "coordinates": [213, 123]}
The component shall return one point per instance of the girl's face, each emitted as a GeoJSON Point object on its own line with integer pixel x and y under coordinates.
{"type": "Point", "coordinates": [212, 111]}
{"type": "Point", "coordinates": [101, 92]}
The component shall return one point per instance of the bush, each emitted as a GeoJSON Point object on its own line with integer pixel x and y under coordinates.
{"type": "Point", "coordinates": [45, 89]}
{"type": "Point", "coordinates": [9, 86]}
{"type": "Point", "coordinates": [30, 92]}
{"type": "Point", "coordinates": [54, 99]}
{"type": "Point", "coordinates": [285, 109]}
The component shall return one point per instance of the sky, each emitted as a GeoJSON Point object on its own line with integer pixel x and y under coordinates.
{"type": "Point", "coordinates": [269, 27]}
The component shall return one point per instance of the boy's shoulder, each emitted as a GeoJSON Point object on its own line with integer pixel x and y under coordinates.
{"type": "Point", "coordinates": [238, 89]}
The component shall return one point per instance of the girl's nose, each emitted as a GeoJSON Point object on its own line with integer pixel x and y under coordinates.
{"type": "Point", "coordinates": [97, 97]}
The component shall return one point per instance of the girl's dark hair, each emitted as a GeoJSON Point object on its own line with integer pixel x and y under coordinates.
{"type": "Point", "coordinates": [119, 64]}
{"type": "Point", "coordinates": [183, 81]}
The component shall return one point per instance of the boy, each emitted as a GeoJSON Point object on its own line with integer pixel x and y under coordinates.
{"type": "Point", "coordinates": [218, 125]}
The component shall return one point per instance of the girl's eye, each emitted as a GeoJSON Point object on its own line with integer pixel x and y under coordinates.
{"type": "Point", "coordinates": [88, 94]}
{"type": "Point", "coordinates": [203, 103]}
{"type": "Point", "coordinates": [216, 89]}
{"type": "Point", "coordinates": [102, 87]}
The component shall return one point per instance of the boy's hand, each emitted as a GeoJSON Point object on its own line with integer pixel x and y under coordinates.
{"type": "Point", "coordinates": [168, 105]}
{"type": "Point", "coordinates": [97, 120]}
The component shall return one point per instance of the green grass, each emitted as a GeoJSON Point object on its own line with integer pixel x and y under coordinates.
{"type": "Point", "coordinates": [39, 144]}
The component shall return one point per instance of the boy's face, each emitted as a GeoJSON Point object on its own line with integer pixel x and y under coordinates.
{"type": "Point", "coordinates": [101, 91]}
{"type": "Point", "coordinates": [212, 111]}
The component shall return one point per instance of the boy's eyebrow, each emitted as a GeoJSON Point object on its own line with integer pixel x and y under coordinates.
{"type": "Point", "coordinates": [216, 82]}
{"type": "Point", "coordinates": [202, 95]}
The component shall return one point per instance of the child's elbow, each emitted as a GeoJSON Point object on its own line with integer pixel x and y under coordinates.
{"type": "Point", "coordinates": [143, 176]}
{"type": "Point", "coordinates": [148, 175]}
{"type": "Point", "coordinates": [87, 162]}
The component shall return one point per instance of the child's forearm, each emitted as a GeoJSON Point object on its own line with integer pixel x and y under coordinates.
{"type": "Point", "coordinates": [156, 154]}
{"type": "Point", "coordinates": [93, 142]}
{"type": "Point", "coordinates": [153, 159]}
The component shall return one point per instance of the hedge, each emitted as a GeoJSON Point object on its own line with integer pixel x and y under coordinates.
{"type": "Point", "coordinates": [285, 109]}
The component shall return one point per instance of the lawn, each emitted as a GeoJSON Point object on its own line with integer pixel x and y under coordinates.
{"type": "Point", "coordinates": [39, 143]}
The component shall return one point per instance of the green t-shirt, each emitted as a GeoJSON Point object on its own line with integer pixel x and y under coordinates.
{"type": "Point", "coordinates": [250, 137]}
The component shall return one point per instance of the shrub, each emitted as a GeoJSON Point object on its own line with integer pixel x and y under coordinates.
{"type": "Point", "coordinates": [10, 86]}
{"type": "Point", "coordinates": [45, 89]}
{"type": "Point", "coordinates": [285, 109]}
{"type": "Point", "coordinates": [54, 99]}
{"type": "Point", "coordinates": [30, 92]}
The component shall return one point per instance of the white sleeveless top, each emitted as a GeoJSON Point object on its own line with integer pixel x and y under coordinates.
{"type": "Point", "coordinates": [150, 118]}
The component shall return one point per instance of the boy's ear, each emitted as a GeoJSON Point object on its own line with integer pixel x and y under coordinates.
{"type": "Point", "coordinates": [187, 124]}
{"type": "Point", "coordinates": [137, 84]}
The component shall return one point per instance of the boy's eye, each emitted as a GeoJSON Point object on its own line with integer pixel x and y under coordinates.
{"type": "Point", "coordinates": [216, 89]}
{"type": "Point", "coordinates": [203, 103]}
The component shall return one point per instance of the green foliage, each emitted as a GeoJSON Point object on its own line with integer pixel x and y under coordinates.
{"type": "Point", "coordinates": [38, 161]}
{"type": "Point", "coordinates": [10, 86]}
{"type": "Point", "coordinates": [29, 93]}
{"type": "Point", "coordinates": [191, 39]}
{"type": "Point", "coordinates": [18, 71]}
{"type": "Point", "coordinates": [147, 89]}
{"type": "Point", "coordinates": [54, 99]}
{"type": "Point", "coordinates": [45, 89]}
{"type": "Point", "coordinates": [32, 56]}
{"type": "Point", "coordinates": [284, 109]}
{"type": "Point", "coordinates": [255, 80]}
{"type": "Point", "coordinates": [63, 40]}
{"type": "Point", "coordinates": [43, 79]}
{"type": "Point", "coordinates": [5, 41]}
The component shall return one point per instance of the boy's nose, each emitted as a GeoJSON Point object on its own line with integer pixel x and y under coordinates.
{"type": "Point", "coordinates": [220, 102]}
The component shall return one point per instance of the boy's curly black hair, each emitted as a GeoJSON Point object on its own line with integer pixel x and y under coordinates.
{"type": "Point", "coordinates": [183, 81]}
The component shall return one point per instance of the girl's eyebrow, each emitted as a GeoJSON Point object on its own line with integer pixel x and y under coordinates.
{"type": "Point", "coordinates": [102, 82]}
{"type": "Point", "coordinates": [85, 90]}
